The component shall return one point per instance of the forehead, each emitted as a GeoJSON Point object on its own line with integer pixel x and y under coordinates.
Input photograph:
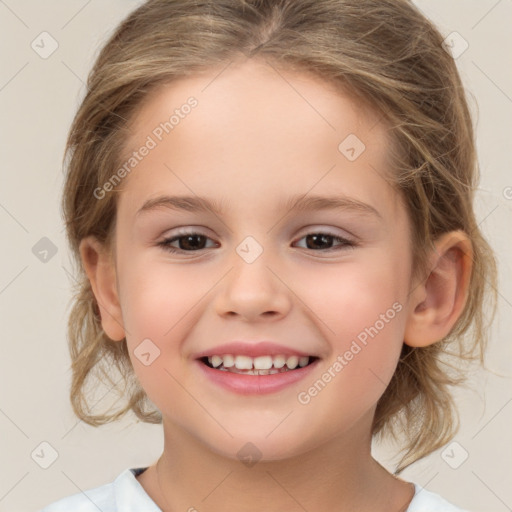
{"type": "Point", "coordinates": [254, 127]}
{"type": "Point", "coordinates": [256, 86]}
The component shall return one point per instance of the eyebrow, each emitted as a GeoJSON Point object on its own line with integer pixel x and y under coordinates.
{"type": "Point", "coordinates": [299, 203]}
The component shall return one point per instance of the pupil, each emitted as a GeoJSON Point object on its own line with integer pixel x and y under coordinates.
{"type": "Point", "coordinates": [316, 238]}
{"type": "Point", "coordinates": [187, 240]}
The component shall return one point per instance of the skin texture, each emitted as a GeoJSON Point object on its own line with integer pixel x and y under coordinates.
{"type": "Point", "coordinates": [256, 138]}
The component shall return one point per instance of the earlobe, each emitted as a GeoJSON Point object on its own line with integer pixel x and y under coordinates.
{"type": "Point", "coordinates": [438, 301]}
{"type": "Point", "coordinates": [101, 273]}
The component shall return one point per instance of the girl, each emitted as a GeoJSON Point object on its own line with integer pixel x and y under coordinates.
{"type": "Point", "coordinates": [270, 204]}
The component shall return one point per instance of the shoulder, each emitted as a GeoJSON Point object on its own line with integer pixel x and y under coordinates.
{"type": "Point", "coordinates": [426, 501]}
{"type": "Point", "coordinates": [124, 494]}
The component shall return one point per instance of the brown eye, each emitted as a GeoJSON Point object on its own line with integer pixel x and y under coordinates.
{"type": "Point", "coordinates": [324, 241]}
{"type": "Point", "coordinates": [187, 242]}
{"type": "Point", "coordinates": [191, 242]}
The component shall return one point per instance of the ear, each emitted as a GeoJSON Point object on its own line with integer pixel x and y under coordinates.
{"type": "Point", "coordinates": [437, 302]}
{"type": "Point", "coordinates": [100, 270]}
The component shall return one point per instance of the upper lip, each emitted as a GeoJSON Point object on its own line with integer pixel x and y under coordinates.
{"type": "Point", "coordinates": [252, 349]}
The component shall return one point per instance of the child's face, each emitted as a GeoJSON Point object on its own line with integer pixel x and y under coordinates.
{"type": "Point", "coordinates": [255, 140]}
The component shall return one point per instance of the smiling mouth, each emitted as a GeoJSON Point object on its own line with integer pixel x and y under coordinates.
{"type": "Point", "coordinates": [262, 365]}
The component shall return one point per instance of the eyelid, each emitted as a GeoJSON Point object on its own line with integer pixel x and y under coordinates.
{"type": "Point", "coordinates": [313, 229]}
{"type": "Point", "coordinates": [341, 233]}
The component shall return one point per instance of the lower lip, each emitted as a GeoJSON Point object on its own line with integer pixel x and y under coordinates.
{"type": "Point", "coordinates": [255, 384]}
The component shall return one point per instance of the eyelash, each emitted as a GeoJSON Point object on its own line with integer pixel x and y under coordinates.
{"type": "Point", "coordinates": [165, 244]}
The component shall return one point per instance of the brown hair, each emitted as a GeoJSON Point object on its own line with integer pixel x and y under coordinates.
{"type": "Point", "coordinates": [384, 51]}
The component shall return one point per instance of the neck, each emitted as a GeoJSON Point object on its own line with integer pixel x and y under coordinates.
{"type": "Point", "coordinates": [338, 475]}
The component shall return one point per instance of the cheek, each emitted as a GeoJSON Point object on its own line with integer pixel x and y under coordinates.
{"type": "Point", "coordinates": [362, 311]}
{"type": "Point", "coordinates": [156, 295]}
{"type": "Point", "coordinates": [156, 301]}
{"type": "Point", "coordinates": [352, 295]}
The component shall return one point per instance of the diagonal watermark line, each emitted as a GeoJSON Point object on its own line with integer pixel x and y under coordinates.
{"type": "Point", "coordinates": [488, 215]}
{"type": "Point", "coordinates": [99, 508]}
{"type": "Point", "coordinates": [14, 76]}
{"type": "Point", "coordinates": [501, 409]}
{"type": "Point", "coordinates": [486, 14]}
{"type": "Point", "coordinates": [69, 274]}
{"type": "Point", "coordinates": [504, 298]}
{"type": "Point", "coordinates": [94, 405]}
{"type": "Point", "coordinates": [199, 403]}
{"type": "Point", "coordinates": [379, 174]}
{"type": "Point", "coordinates": [13, 217]}
{"type": "Point", "coordinates": [424, 486]}
{"type": "Point", "coordinates": [217, 486]}
{"type": "Point", "coordinates": [506, 505]}
{"type": "Point", "coordinates": [76, 14]}
{"type": "Point", "coordinates": [17, 426]}
{"type": "Point", "coordinates": [383, 112]}
{"type": "Point", "coordinates": [71, 429]}
{"type": "Point", "coordinates": [79, 78]}
{"type": "Point", "coordinates": [13, 13]}
{"type": "Point", "coordinates": [197, 302]}
{"type": "Point", "coordinates": [217, 75]}
{"type": "Point", "coordinates": [313, 186]}
{"type": "Point", "coordinates": [279, 423]}
{"type": "Point", "coordinates": [286, 491]}
{"type": "Point", "coordinates": [14, 485]}
{"type": "Point", "coordinates": [378, 378]}
{"type": "Point", "coordinates": [300, 95]}
{"type": "Point", "coordinates": [492, 81]}
{"type": "Point", "coordinates": [12, 280]}
{"type": "Point", "coordinates": [300, 299]}
{"type": "Point", "coordinates": [217, 217]}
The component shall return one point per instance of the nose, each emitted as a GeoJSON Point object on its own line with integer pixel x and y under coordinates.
{"type": "Point", "coordinates": [253, 291]}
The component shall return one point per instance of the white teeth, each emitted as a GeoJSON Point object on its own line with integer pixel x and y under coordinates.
{"type": "Point", "coordinates": [216, 361]}
{"type": "Point", "coordinates": [279, 361]}
{"type": "Point", "coordinates": [229, 361]}
{"type": "Point", "coordinates": [292, 362]}
{"type": "Point", "coordinates": [243, 362]}
{"type": "Point", "coordinates": [261, 365]}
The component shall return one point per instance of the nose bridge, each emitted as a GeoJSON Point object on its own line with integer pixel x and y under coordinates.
{"type": "Point", "coordinates": [251, 262]}
{"type": "Point", "coordinates": [251, 288]}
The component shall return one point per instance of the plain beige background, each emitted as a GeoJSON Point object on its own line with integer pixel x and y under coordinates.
{"type": "Point", "coordinates": [38, 98]}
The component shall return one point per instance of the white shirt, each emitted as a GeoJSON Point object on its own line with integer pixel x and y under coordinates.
{"type": "Point", "coordinates": [126, 494]}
